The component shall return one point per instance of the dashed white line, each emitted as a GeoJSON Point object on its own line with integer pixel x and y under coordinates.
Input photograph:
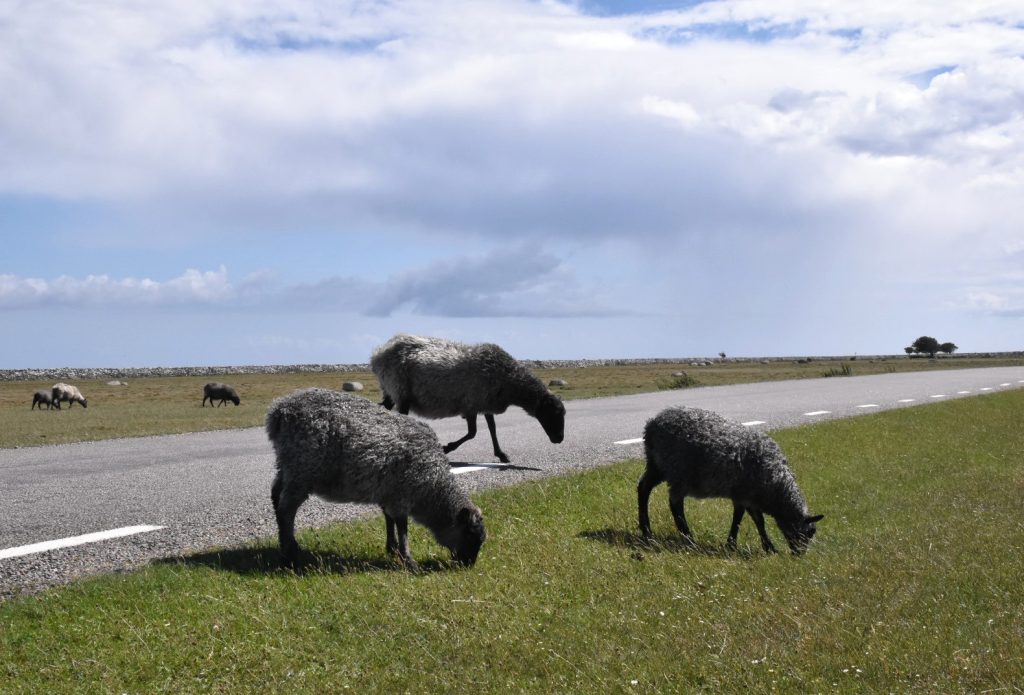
{"type": "Point", "coordinates": [962, 392]}
{"type": "Point", "coordinates": [985, 388]}
{"type": "Point", "coordinates": [630, 441]}
{"type": "Point", "coordinates": [752, 423]}
{"type": "Point", "coordinates": [1004, 384]}
{"type": "Point", "coordinates": [906, 400]}
{"type": "Point", "coordinates": [76, 540]}
{"type": "Point", "coordinates": [818, 412]}
{"type": "Point", "coordinates": [457, 470]}
{"type": "Point", "coordinates": [868, 405]}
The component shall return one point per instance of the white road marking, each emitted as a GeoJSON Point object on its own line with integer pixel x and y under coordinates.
{"type": "Point", "coordinates": [1004, 384]}
{"type": "Point", "coordinates": [938, 395]}
{"type": "Point", "coordinates": [467, 469]}
{"type": "Point", "coordinates": [985, 388]}
{"type": "Point", "coordinates": [630, 441]}
{"type": "Point", "coordinates": [963, 392]}
{"type": "Point", "coordinates": [752, 423]}
{"type": "Point", "coordinates": [76, 540]}
{"type": "Point", "coordinates": [818, 412]}
{"type": "Point", "coordinates": [906, 400]}
{"type": "Point", "coordinates": [868, 405]}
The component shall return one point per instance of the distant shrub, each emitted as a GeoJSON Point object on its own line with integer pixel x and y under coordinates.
{"type": "Point", "coordinates": [676, 381]}
{"type": "Point", "coordinates": [842, 370]}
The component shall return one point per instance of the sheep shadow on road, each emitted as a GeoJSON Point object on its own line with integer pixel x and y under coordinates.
{"type": "Point", "coordinates": [640, 546]}
{"type": "Point", "coordinates": [251, 561]}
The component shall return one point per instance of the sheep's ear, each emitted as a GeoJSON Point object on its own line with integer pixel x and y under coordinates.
{"type": "Point", "coordinates": [814, 519]}
{"type": "Point", "coordinates": [469, 516]}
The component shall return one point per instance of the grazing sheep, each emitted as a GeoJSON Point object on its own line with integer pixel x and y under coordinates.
{"type": "Point", "coordinates": [42, 398]}
{"type": "Point", "coordinates": [345, 448]}
{"type": "Point", "coordinates": [222, 392]}
{"type": "Point", "coordinates": [439, 378]}
{"type": "Point", "coordinates": [701, 454]}
{"type": "Point", "coordinates": [66, 392]}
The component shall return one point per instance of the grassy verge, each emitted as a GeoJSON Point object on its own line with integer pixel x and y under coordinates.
{"type": "Point", "coordinates": [172, 405]}
{"type": "Point", "coordinates": [913, 586]}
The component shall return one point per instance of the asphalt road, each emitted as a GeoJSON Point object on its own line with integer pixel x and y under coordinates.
{"type": "Point", "coordinates": [212, 488]}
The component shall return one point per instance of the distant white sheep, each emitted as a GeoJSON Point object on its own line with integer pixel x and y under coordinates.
{"type": "Point", "coordinates": [345, 448]}
{"type": "Point", "coordinates": [66, 392]}
{"type": "Point", "coordinates": [439, 378]}
{"type": "Point", "coordinates": [701, 454]}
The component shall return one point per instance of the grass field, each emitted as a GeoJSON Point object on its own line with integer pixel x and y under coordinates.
{"type": "Point", "coordinates": [172, 405]}
{"type": "Point", "coordinates": [913, 585]}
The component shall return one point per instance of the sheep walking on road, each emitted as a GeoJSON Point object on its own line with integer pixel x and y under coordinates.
{"type": "Point", "coordinates": [42, 398]}
{"type": "Point", "coordinates": [344, 448]}
{"type": "Point", "coordinates": [219, 392]}
{"type": "Point", "coordinates": [701, 454]}
{"type": "Point", "coordinates": [438, 378]}
{"type": "Point", "coordinates": [66, 392]}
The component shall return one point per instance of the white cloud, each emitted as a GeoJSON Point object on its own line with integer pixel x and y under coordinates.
{"type": "Point", "coordinates": [516, 282]}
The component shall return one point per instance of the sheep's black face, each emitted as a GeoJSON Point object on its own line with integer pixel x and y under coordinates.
{"type": "Point", "coordinates": [469, 536]}
{"type": "Point", "coordinates": [84, 403]}
{"type": "Point", "coordinates": [551, 414]}
{"type": "Point", "coordinates": [236, 400]}
{"type": "Point", "coordinates": [800, 532]}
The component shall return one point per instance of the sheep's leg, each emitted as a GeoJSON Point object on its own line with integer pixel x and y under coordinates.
{"type": "Point", "coordinates": [286, 504]}
{"type": "Point", "coordinates": [494, 438]}
{"type": "Point", "coordinates": [737, 517]}
{"type": "Point", "coordinates": [648, 481]}
{"type": "Point", "coordinates": [391, 546]}
{"type": "Point", "coordinates": [675, 503]}
{"type": "Point", "coordinates": [388, 403]}
{"type": "Point", "coordinates": [758, 518]}
{"type": "Point", "coordinates": [471, 422]}
{"type": "Point", "coordinates": [401, 524]}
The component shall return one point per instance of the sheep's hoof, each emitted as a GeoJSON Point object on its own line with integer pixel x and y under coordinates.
{"type": "Point", "coordinates": [503, 458]}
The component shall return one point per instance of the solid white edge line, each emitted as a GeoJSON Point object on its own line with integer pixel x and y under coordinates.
{"type": "Point", "coordinates": [752, 423]}
{"type": "Point", "coordinates": [76, 540]}
{"type": "Point", "coordinates": [818, 412]}
{"type": "Point", "coordinates": [630, 441]}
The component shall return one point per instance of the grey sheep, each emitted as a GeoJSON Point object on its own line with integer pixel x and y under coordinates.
{"type": "Point", "coordinates": [219, 392]}
{"type": "Point", "coordinates": [438, 378]}
{"type": "Point", "coordinates": [344, 448]}
{"type": "Point", "coordinates": [42, 398]}
{"type": "Point", "coordinates": [701, 454]}
{"type": "Point", "coordinates": [66, 392]}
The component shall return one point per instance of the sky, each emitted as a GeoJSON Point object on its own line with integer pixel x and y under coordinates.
{"type": "Point", "coordinates": [231, 182]}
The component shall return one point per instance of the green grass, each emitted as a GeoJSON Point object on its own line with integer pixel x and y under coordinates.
{"type": "Point", "coordinates": [171, 405]}
{"type": "Point", "coordinates": [913, 585]}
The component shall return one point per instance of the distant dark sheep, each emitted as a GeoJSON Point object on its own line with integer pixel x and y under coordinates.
{"type": "Point", "coordinates": [701, 454]}
{"type": "Point", "coordinates": [216, 391]}
{"type": "Point", "coordinates": [42, 398]}
{"type": "Point", "coordinates": [345, 448]}
{"type": "Point", "coordinates": [66, 392]}
{"type": "Point", "coordinates": [439, 378]}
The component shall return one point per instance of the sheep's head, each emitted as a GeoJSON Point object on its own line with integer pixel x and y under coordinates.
{"type": "Point", "coordinates": [236, 400]}
{"type": "Point", "coordinates": [799, 531]}
{"type": "Point", "coordinates": [85, 404]}
{"type": "Point", "coordinates": [466, 537]}
{"type": "Point", "coordinates": [551, 414]}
